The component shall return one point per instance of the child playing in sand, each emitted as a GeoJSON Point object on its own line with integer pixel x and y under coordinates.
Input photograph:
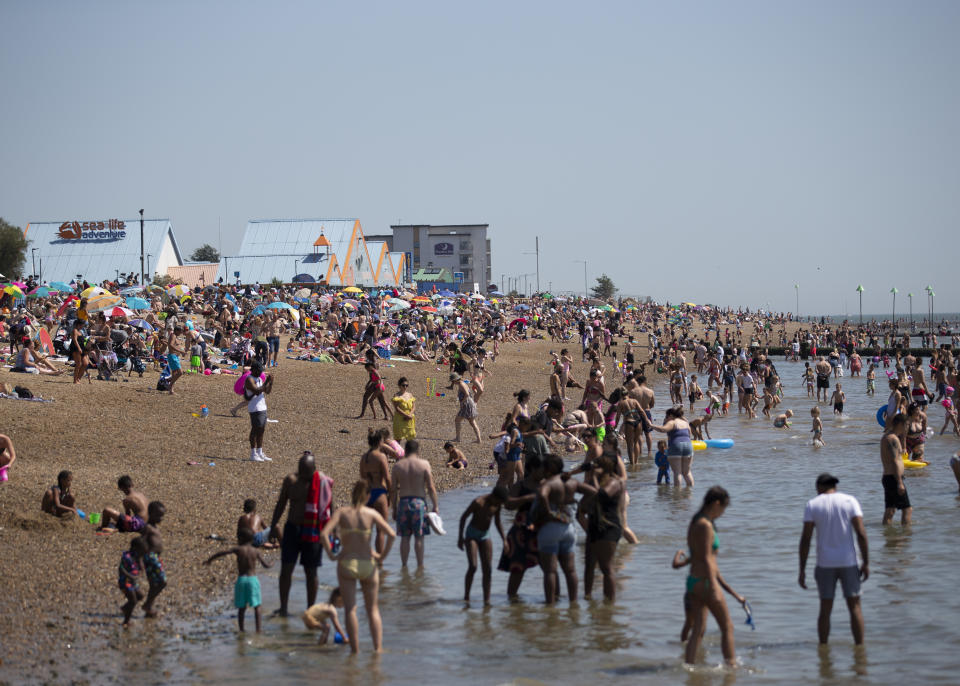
{"type": "Point", "coordinates": [128, 574]}
{"type": "Point", "coordinates": [455, 457]}
{"type": "Point", "coordinates": [246, 591]}
{"type": "Point", "coordinates": [253, 521]}
{"type": "Point", "coordinates": [476, 539]}
{"type": "Point", "coordinates": [817, 427]}
{"type": "Point", "coordinates": [662, 463]}
{"type": "Point", "coordinates": [782, 421]}
{"type": "Point", "coordinates": [319, 617]}
{"type": "Point", "coordinates": [837, 400]}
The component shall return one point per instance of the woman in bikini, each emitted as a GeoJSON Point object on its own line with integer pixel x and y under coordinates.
{"type": "Point", "coordinates": [705, 585]}
{"type": "Point", "coordinates": [375, 470]}
{"type": "Point", "coordinates": [520, 407]}
{"type": "Point", "coordinates": [373, 390]}
{"type": "Point", "coordinates": [356, 561]}
{"type": "Point", "coordinates": [593, 394]}
{"type": "Point", "coordinates": [630, 409]}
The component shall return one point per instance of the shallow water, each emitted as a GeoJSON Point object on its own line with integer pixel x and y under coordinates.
{"type": "Point", "coordinates": [910, 606]}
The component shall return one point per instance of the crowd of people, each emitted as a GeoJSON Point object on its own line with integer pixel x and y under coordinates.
{"type": "Point", "coordinates": [227, 329]}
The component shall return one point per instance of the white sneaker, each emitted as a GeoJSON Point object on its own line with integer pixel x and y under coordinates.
{"type": "Point", "coordinates": [256, 458]}
{"type": "Point", "coordinates": [264, 458]}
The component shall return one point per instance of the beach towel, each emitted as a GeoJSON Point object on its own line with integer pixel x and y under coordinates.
{"type": "Point", "coordinates": [238, 386]}
{"type": "Point", "coordinates": [316, 512]}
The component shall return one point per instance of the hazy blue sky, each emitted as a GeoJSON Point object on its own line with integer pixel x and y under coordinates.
{"type": "Point", "coordinates": [669, 144]}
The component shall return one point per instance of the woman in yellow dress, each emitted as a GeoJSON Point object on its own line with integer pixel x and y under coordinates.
{"type": "Point", "coordinates": [404, 404]}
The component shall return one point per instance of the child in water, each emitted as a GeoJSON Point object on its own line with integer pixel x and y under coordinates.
{"type": "Point", "coordinates": [808, 377]}
{"type": "Point", "coordinates": [246, 591]}
{"type": "Point", "coordinates": [871, 380]}
{"type": "Point", "coordinates": [695, 393]}
{"type": "Point", "coordinates": [768, 402]}
{"type": "Point", "coordinates": [475, 541]}
{"type": "Point", "coordinates": [131, 566]}
{"type": "Point", "coordinates": [837, 400]}
{"type": "Point", "coordinates": [319, 617]}
{"type": "Point", "coordinates": [782, 421]}
{"type": "Point", "coordinates": [817, 428]}
{"type": "Point", "coordinates": [663, 464]}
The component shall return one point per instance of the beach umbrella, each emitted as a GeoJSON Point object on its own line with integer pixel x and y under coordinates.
{"type": "Point", "coordinates": [66, 304]}
{"type": "Point", "coordinates": [14, 290]}
{"type": "Point", "coordinates": [259, 309]}
{"type": "Point", "coordinates": [860, 290]}
{"type": "Point", "coordinates": [351, 302]}
{"type": "Point", "coordinates": [280, 306]}
{"type": "Point", "coordinates": [138, 304]}
{"type": "Point", "coordinates": [19, 284]}
{"type": "Point", "coordinates": [397, 308]}
{"type": "Point", "coordinates": [178, 290]}
{"type": "Point", "coordinates": [93, 290]}
{"type": "Point", "coordinates": [102, 302]}
{"type": "Point", "coordinates": [348, 306]}
{"type": "Point", "coordinates": [41, 292]}
{"type": "Point", "coordinates": [352, 289]}
{"type": "Point", "coordinates": [302, 293]}
{"type": "Point", "coordinates": [431, 310]}
{"type": "Point", "coordinates": [141, 324]}
{"type": "Point", "coordinates": [397, 302]}
{"type": "Point", "coordinates": [61, 286]}
{"type": "Point", "coordinates": [522, 307]}
{"type": "Point", "coordinates": [131, 290]}
{"type": "Point", "coordinates": [118, 312]}
{"type": "Point", "coordinates": [476, 296]}
{"type": "Point", "coordinates": [446, 293]}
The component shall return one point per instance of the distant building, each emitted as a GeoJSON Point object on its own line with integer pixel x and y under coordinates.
{"type": "Point", "coordinates": [328, 251]}
{"type": "Point", "coordinates": [100, 250]}
{"type": "Point", "coordinates": [195, 274]}
{"type": "Point", "coordinates": [462, 249]}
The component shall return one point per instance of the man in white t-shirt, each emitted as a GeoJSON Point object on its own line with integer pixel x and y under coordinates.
{"type": "Point", "coordinates": [836, 517]}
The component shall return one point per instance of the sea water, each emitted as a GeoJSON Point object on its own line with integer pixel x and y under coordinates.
{"type": "Point", "coordinates": [430, 636]}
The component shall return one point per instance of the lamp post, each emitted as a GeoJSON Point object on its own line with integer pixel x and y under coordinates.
{"type": "Point", "coordinates": [893, 315]}
{"type": "Point", "coordinates": [584, 277]}
{"type": "Point", "coordinates": [33, 256]}
{"type": "Point", "coordinates": [536, 252]}
{"type": "Point", "coordinates": [142, 282]}
{"type": "Point", "coordinates": [860, 290]}
{"type": "Point", "coordinates": [929, 289]}
{"type": "Point", "coordinates": [910, 299]}
{"type": "Point", "coordinates": [143, 274]}
{"type": "Point", "coordinates": [796, 287]}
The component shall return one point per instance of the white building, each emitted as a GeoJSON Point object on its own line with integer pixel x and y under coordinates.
{"type": "Point", "coordinates": [463, 249]}
{"type": "Point", "coordinates": [101, 249]}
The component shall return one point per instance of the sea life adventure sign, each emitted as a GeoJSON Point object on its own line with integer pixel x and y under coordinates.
{"type": "Point", "coordinates": [110, 230]}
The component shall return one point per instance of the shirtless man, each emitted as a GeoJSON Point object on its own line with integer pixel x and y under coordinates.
{"type": "Point", "coordinates": [294, 490]}
{"type": "Point", "coordinates": [894, 490]}
{"type": "Point", "coordinates": [134, 515]}
{"type": "Point", "coordinates": [412, 482]}
{"type": "Point", "coordinates": [556, 537]}
{"type": "Point", "coordinates": [375, 470]}
{"type": "Point", "coordinates": [645, 396]}
{"type": "Point", "coordinates": [174, 351]}
{"type": "Point", "coordinates": [273, 339]}
{"type": "Point", "coordinates": [822, 370]}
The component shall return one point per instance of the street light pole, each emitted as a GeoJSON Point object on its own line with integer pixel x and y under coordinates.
{"type": "Point", "coordinates": [143, 274]}
{"type": "Point", "coordinates": [33, 256]}
{"type": "Point", "coordinates": [796, 287]}
{"type": "Point", "coordinates": [860, 290]}
{"type": "Point", "coordinates": [910, 298]}
{"type": "Point", "coordinates": [893, 315]}
{"type": "Point", "coordinates": [538, 264]}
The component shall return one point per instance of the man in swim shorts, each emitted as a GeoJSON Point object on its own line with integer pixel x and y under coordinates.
{"type": "Point", "coordinates": [412, 480]}
{"type": "Point", "coordinates": [891, 455]}
{"type": "Point", "coordinates": [294, 491]}
{"type": "Point", "coordinates": [173, 356]}
{"type": "Point", "coordinates": [822, 370]}
{"type": "Point", "coordinates": [152, 564]}
{"type": "Point", "coordinates": [837, 517]}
